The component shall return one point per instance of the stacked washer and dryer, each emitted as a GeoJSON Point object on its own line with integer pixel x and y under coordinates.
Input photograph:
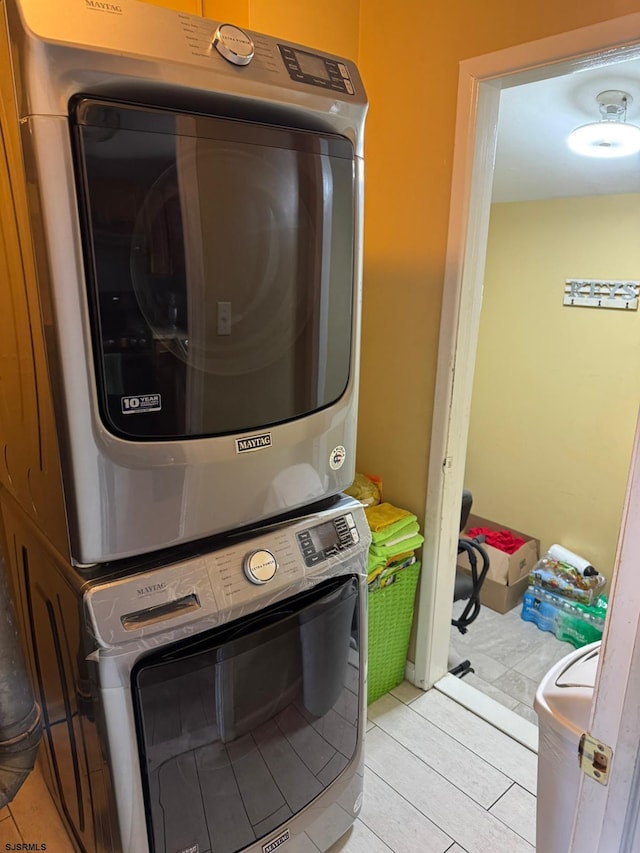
{"type": "Point", "coordinates": [178, 392]}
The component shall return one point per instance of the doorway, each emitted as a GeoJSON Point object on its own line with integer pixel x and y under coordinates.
{"type": "Point", "coordinates": [481, 82]}
{"type": "Point", "coordinates": [551, 381]}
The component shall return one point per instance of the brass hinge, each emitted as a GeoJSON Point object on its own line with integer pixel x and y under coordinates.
{"type": "Point", "coordinates": [595, 758]}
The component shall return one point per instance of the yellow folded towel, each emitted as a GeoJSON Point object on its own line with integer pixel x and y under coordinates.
{"type": "Point", "coordinates": [385, 515]}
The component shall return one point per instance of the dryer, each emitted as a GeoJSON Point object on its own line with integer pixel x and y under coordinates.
{"type": "Point", "coordinates": [215, 701]}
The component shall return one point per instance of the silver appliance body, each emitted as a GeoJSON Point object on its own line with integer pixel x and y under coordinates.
{"type": "Point", "coordinates": [125, 494]}
{"type": "Point", "coordinates": [188, 707]}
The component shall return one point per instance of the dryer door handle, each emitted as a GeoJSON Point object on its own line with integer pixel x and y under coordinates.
{"type": "Point", "coordinates": [160, 612]}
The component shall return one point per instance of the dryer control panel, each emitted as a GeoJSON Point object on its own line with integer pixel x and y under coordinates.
{"type": "Point", "coordinates": [328, 539]}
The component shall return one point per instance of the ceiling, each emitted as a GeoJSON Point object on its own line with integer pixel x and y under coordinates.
{"type": "Point", "coordinates": [533, 160]}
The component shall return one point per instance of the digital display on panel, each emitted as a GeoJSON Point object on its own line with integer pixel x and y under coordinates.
{"type": "Point", "coordinates": [312, 65]}
{"type": "Point", "coordinates": [324, 536]}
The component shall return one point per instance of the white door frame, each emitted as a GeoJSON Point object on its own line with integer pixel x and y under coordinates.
{"type": "Point", "coordinates": [480, 82]}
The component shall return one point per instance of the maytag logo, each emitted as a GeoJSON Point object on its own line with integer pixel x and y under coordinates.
{"type": "Point", "coordinates": [149, 590]}
{"type": "Point", "coordinates": [99, 6]}
{"type": "Point", "coordinates": [256, 442]}
{"type": "Point", "coordinates": [273, 845]}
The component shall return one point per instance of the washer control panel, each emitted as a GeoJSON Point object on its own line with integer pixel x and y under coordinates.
{"type": "Point", "coordinates": [328, 539]}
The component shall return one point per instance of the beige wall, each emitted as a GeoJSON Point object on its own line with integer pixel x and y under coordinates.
{"type": "Point", "coordinates": [555, 395]}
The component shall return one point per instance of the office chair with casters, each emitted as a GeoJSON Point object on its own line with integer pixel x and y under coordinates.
{"type": "Point", "coordinates": [468, 586]}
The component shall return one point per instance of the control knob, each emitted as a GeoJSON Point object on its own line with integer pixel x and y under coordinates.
{"type": "Point", "coordinates": [260, 566]}
{"type": "Point", "coordinates": [234, 44]}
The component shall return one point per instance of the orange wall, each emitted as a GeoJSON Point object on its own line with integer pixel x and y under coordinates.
{"type": "Point", "coordinates": [232, 11]}
{"type": "Point", "coordinates": [331, 26]}
{"type": "Point", "coordinates": [192, 7]}
{"type": "Point", "coordinates": [409, 56]}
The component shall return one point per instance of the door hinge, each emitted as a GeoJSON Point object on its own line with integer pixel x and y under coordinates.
{"type": "Point", "coordinates": [595, 758]}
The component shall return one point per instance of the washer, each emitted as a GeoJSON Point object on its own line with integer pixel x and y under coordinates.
{"type": "Point", "coordinates": [184, 319]}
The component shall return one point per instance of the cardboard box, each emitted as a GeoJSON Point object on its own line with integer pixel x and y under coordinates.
{"type": "Point", "coordinates": [507, 578]}
{"type": "Point", "coordinates": [502, 598]}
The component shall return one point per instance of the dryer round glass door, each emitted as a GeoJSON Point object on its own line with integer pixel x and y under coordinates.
{"type": "Point", "coordinates": [241, 727]}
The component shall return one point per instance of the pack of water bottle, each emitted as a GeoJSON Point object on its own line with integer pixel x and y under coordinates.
{"type": "Point", "coordinates": [564, 573]}
{"type": "Point", "coordinates": [574, 623]}
{"type": "Point", "coordinates": [565, 597]}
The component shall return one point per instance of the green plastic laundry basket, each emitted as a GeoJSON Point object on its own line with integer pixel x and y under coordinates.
{"type": "Point", "coordinates": [390, 618]}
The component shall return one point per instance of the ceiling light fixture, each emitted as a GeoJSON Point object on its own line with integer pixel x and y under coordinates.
{"type": "Point", "coordinates": [611, 136]}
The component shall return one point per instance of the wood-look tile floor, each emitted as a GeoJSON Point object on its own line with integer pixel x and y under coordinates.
{"type": "Point", "coordinates": [438, 778]}
{"type": "Point", "coordinates": [509, 657]}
